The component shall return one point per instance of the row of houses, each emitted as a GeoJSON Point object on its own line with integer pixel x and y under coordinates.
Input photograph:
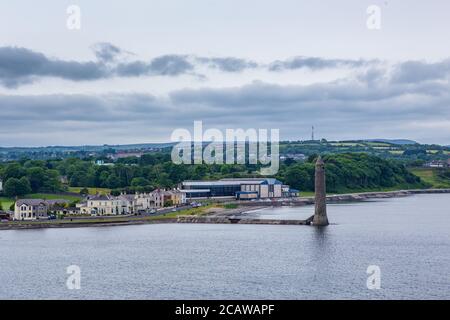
{"type": "Point", "coordinates": [124, 204]}
{"type": "Point", "coordinates": [131, 203]}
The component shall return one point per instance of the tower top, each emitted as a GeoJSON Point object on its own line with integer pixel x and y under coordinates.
{"type": "Point", "coordinates": [319, 160]}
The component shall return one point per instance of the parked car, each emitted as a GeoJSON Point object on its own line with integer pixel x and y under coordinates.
{"type": "Point", "coordinates": [196, 204]}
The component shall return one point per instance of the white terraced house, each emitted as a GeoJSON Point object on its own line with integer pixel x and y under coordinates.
{"type": "Point", "coordinates": [130, 203]}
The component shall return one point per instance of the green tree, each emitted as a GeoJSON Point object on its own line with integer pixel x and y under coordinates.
{"type": "Point", "coordinates": [17, 187]}
{"type": "Point", "coordinates": [13, 170]}
{"type": "Point", "coordinates": [139, 181]}
{"type": "Point", "coordinates": [84, 191]}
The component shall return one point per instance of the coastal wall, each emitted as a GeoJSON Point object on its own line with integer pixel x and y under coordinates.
{"type": "Point", "coordinates": [237, 220]}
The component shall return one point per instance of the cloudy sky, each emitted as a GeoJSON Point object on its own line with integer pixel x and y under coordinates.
{"type": "Point", "coordinates": [138, 69]}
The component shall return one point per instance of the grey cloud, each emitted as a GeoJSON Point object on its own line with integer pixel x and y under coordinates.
{"type": "Point", "coordinates": [228, 64]}
{"type": "Point", "coordinates": [106, 52]}
{"type": "Point", "coordinates": [418, 71]}
{"type": "Point", "coordinates": [347, 109]}
{"type": "Point", "coordinates": [19, 66]}
{"type": "Point", "coordinates": [170, 65]}
{"type": "Point", "coordinates": [316, 63]}
{"type": "Point", "coordinates": [167, 65]}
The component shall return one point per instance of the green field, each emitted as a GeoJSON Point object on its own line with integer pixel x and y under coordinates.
{"type": "Point", "coordinates": [92, 191]}
{"type": "Point", "coordinates": [430, 176]}
{"type": "Point", "coordinates": [399, 152]}
{"type": "Point", "coordinates": [7, 202]}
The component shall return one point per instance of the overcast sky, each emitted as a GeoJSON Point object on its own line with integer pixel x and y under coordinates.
{"type": "Point", "coordinates": [136, 70]}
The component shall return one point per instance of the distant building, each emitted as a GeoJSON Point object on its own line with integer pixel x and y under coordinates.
{"type": "Point", "coordinates": [103, 163]}
{"type": "Point", "coordinates": [1, 185]}
{"type": "Point", "coordinates": [63, 179]}
{"type": "Point", "coordinates": [120, 155]}
{"type": "Point", "coordinates": [293, 156]}
{"type": "Point", "coordinates": [437, 164]}
{"type": "Point", "coordinates": [245, 188]}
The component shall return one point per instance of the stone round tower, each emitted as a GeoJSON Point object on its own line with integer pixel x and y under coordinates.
{"type": "Point", "coordinates": [320, 213]}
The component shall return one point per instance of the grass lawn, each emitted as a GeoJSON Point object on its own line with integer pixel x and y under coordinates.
{"type": "Point", "coordinates": [399, 152]}
{"type": "Point", "coordinates": [92, 191]}
{"type": "Point", "coordinates": [430, 176]}
{"type": "Point", "coordinates": [50, 196]}
{"type": "Point", "coordinates": [306, 193]}
{"type": "Point", "coordinates": [6, 202]}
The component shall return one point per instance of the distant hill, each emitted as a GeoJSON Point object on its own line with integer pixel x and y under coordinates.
{"type": "Point", "coordinates": [393, 141]}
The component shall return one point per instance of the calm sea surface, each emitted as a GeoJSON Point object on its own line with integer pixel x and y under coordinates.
{"type": "Point", "coordinates": [408, 238]}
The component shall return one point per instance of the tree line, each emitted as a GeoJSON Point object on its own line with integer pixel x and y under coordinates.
{"type": "Point", "coordinates": [344, 172]}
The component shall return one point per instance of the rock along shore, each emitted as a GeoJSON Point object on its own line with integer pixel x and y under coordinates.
{"type": "Point", "coordinates": [344, 197]}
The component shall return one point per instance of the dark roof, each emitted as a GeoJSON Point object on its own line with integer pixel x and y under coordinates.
{"type": "Point", "coordinates": [36, 202]}
{"type": "Point", "coordinates": [55, 201]}
{"type": "Point", "coordinates": [101, 197]}
{"type": "Point", "coordinates": [30, 202]}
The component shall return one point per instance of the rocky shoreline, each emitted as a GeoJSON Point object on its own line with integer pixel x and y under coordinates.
{"type": "Point", "coordinates": [345, 197]}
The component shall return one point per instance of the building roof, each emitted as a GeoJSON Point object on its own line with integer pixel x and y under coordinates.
{"type": "Point", "coordinates": [55, 201]}
{"type": "Point", "coordinates": [30, 202]}
{"type": "Point", "coordinates": [36, 202]}
{"type": "Point", "coordinates": [100, 197]}
{"type": "Point", "coordinates": [127, 197]}
{"type": "Point", "coordinates": [231, 182]}
{"type": "Point", "coordinates": [195, 190]}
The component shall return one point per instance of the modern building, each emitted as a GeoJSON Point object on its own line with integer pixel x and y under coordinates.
{"type": "Point", "coordinates": [245, 188]}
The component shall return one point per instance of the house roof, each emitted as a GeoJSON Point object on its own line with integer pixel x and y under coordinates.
{"type": "Point", "coordinates": [55, 201]}
{"type": "Point", "coordinates": [30, 202]}
{"type": "Point", "coordinates": [100, 197]}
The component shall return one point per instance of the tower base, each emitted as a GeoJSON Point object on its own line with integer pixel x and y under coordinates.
{"type": "Point", "coordinates": [320, 220]}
